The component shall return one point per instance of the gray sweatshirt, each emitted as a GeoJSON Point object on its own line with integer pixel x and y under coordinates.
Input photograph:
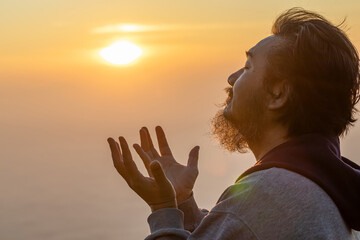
{"type": "Point", "coordinates": [269, 204]}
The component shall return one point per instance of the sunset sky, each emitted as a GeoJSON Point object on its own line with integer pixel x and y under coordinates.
{"type": "Point", "coordinates": [60, 101]}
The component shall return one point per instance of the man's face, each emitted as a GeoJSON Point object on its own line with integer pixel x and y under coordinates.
{"type": "Point", "coordinates": [243, 120]}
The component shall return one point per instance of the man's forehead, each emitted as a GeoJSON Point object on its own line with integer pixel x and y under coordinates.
{"type": "Point", "coordinates": [263, 46]}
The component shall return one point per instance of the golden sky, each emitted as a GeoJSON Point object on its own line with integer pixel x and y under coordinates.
{"type": "Point", "coordinates": [60, 101]}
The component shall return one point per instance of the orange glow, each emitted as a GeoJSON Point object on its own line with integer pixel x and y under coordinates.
{"type": "Point", "coordinates": [61, 100]}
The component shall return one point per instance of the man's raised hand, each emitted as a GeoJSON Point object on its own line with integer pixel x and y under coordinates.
{"type": "Point", "coordinates": [182, 177]}
{"type": "Point", "coordinates": [156, 190]}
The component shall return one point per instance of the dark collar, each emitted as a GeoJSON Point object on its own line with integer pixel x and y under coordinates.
{"type": "Point", "coordinates": [317, 157]}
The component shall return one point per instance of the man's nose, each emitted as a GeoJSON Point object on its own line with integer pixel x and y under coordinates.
{"type": "Point", "coordinates": [233, 77]}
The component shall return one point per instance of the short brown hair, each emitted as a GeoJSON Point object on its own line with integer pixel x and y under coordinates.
{"type": "Point", "coordinates": [321, 66]}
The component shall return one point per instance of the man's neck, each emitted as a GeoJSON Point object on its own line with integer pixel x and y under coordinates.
{"type": "Point", "coordinates": [269, 140]}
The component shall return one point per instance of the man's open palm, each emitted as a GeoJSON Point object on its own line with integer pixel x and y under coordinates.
{"type": "Point", "coordinates": [182, 177]}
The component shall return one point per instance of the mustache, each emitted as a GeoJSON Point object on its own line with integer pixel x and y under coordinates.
{"type": "Point", "coordinates": [229, 92]}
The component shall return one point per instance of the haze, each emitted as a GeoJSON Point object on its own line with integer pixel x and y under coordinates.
{"type": "Point", "coordinates": [60, 101]}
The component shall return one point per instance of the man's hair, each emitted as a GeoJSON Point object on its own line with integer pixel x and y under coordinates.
{"type": "Point", "coordinates": [321, 67]}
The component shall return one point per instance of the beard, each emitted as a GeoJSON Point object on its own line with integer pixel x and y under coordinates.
{"type": "Point", "coordinates": [236, 134]}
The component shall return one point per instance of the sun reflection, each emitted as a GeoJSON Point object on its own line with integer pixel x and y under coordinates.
{"type": "Point", "coordinates": [121, 52]}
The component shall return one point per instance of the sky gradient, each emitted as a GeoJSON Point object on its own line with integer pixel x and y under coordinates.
{"type": "Point", "coordinates": [60, 101]}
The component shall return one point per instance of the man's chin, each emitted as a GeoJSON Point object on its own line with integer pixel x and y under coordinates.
{"type": "Point", "coordinates": [227, 133]}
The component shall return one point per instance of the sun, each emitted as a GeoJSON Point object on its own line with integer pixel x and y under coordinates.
{"type": "Point", "coordinates": [121, 52]}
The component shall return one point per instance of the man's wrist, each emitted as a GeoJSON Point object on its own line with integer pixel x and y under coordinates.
{"type": "Point", "coordinates": [171, 204]}
{"type": "Point", "coordinates": [184, 197]}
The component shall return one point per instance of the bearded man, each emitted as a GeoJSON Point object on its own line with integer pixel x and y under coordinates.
{"type": "Point", "coordinates": [289, 105]}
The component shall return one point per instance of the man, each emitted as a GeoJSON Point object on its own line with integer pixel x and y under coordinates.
{"type": "Point", "coordinates": [289, 104]}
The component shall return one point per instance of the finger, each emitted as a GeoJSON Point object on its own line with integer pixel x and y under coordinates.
{"type": "Point", "coordinates": [144, 157]}
{"type": "Point", "coordinates": [159, 174]}
{"type": "Point", "coordinates": [127, 158]}
{"type": "Point", "coordinates": [154, 153]}
{"type": "Point", "coordinates": [144, 141]}
{"type": "Point", "coordinates": [116, 157]}
{"type": "Point", "coordinates": [117, 146]}
{"type": "Point", "coordinates": [193, 157]}
{"type": "Point", "coordinates": [163, 144]}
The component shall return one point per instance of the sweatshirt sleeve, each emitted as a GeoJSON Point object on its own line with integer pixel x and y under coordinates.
{"type": "Point", "coordinates": [167, 224]}
{"type": "Point", "coordinates": [192, 213]}
{"type": "Point", "coordinates": [224, 221]}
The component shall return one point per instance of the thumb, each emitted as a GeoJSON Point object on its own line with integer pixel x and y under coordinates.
{"type": "Point", "coordinates": [193, 157]}
{"type": "Point", "coordinates": [158, 173]}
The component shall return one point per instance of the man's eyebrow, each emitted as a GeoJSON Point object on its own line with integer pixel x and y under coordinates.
{"type": "Point", "coordinates": [249, 53]}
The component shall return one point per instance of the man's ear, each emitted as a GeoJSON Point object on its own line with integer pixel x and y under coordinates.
{"type": "Point", "coordinates": [278, 95]}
